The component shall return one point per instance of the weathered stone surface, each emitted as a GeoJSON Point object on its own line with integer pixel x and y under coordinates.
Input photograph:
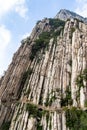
{"type": "Point", "coordinates": [54, 73]}
{"type": "Point", "coordinates": [66, 14]}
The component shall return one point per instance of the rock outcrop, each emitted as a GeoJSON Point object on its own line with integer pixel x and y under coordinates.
{"type": "Point", "coordinates": [46, 80]}
{"type": "Point", "coordinates": [64, 14]}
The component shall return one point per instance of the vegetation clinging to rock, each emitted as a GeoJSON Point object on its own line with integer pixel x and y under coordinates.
{"type": "Point", "coordinates": [67, 100]}
{"type": "Point", "coordinates": [40, 43]}
{"type": "Point", "coordinates": [5, 126]}
{"type": "Point", "coordinates": [80, 78]}
{"type": "Point", "coordinates": [25, 75]}
{"type": "Point", "coordinates": [56, 23]}
{"type": "Point", "coordinates": [76, 119]}
{"type": "Point", "coordinates": [43, 40]}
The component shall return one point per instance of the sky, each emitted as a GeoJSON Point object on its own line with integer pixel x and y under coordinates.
{"type": "Point", "coordinates": [18, 17]}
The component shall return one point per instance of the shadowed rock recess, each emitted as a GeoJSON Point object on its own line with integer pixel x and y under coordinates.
{"type": "Point", "coordinates": [45, 86]}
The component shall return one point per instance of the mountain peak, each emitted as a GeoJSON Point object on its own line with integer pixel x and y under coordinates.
{"type": "Point", "coordinates": [65, 14]}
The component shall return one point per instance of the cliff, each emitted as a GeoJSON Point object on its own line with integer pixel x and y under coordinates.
{"type": "Point", "coordinates": [45, 86]}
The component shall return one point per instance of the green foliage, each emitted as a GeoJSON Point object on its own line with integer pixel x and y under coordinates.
{"type": "Point", "coordinates": [57, 26]}
{"type": "Point", "coordinates": [47, 117]}
{"type": "Point", "coordinates": [85, 74]}
{"type": "Point", "coordinates": [67, 100]}
{"type": "Point", "coordinates": [25, 75]}
{"type": "Point", "coordinates": [56, 33]}
{"type": "Point", "coordinates": [32, 109]}
{"type": "Point", "coordinates": [80, 78]}
{"type": "Point", "coordinates": [49, 101]}
{"type": "Point", "coordinates": [72, 118]}
{"type": "Point", "coordinates": [36, 113]}
{"type": "Point", "coordinates": [56, 23]}
{"type": "Point", "coordinates": [76, 119]}
{"type": "Point", "coordinates": [5, 126]}
{"type": "Point", "coordinates": [39, 127]}
{"type": "Point", "coordinates": [86, 103]}
{"type": "Point", "coordinates": [79, 81]}
{"type": "Point", "coordinates": [17, 104]}
{"type": "Point", "coordinates": [38, 21]}
{"type": "Point", "coordinates": [72, 30]}
{"type": "Point", "coordinates": [50, 125]}
{"type": "Point", "coordinates": [40, 43]}
{"type": "Point", "coordinates": [45, 35]}
{"type": "Point", "coordinates": [23, 42]}
{"type": "Point", "coordinates": [68, 19]}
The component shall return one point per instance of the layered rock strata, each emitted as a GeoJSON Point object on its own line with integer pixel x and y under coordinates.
{"type": "Point", "coordinates": [51, 76]}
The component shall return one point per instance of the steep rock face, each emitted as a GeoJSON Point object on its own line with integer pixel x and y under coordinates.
{"type": "Point", "coordinates": [42, 80]}
{"type": "Point", "coordinates": [11, 87]}
{"type": "Point", "coordinates": [79, 62]}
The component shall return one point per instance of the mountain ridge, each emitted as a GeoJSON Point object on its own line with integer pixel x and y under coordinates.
{"type": "Point", "coordinates": [65, 14]}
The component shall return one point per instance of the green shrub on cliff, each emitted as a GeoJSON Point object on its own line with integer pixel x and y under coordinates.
{"type": "Point", "coordinates": [76, 119]}
{"type": "Point", "coordinates": [5, 126]}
